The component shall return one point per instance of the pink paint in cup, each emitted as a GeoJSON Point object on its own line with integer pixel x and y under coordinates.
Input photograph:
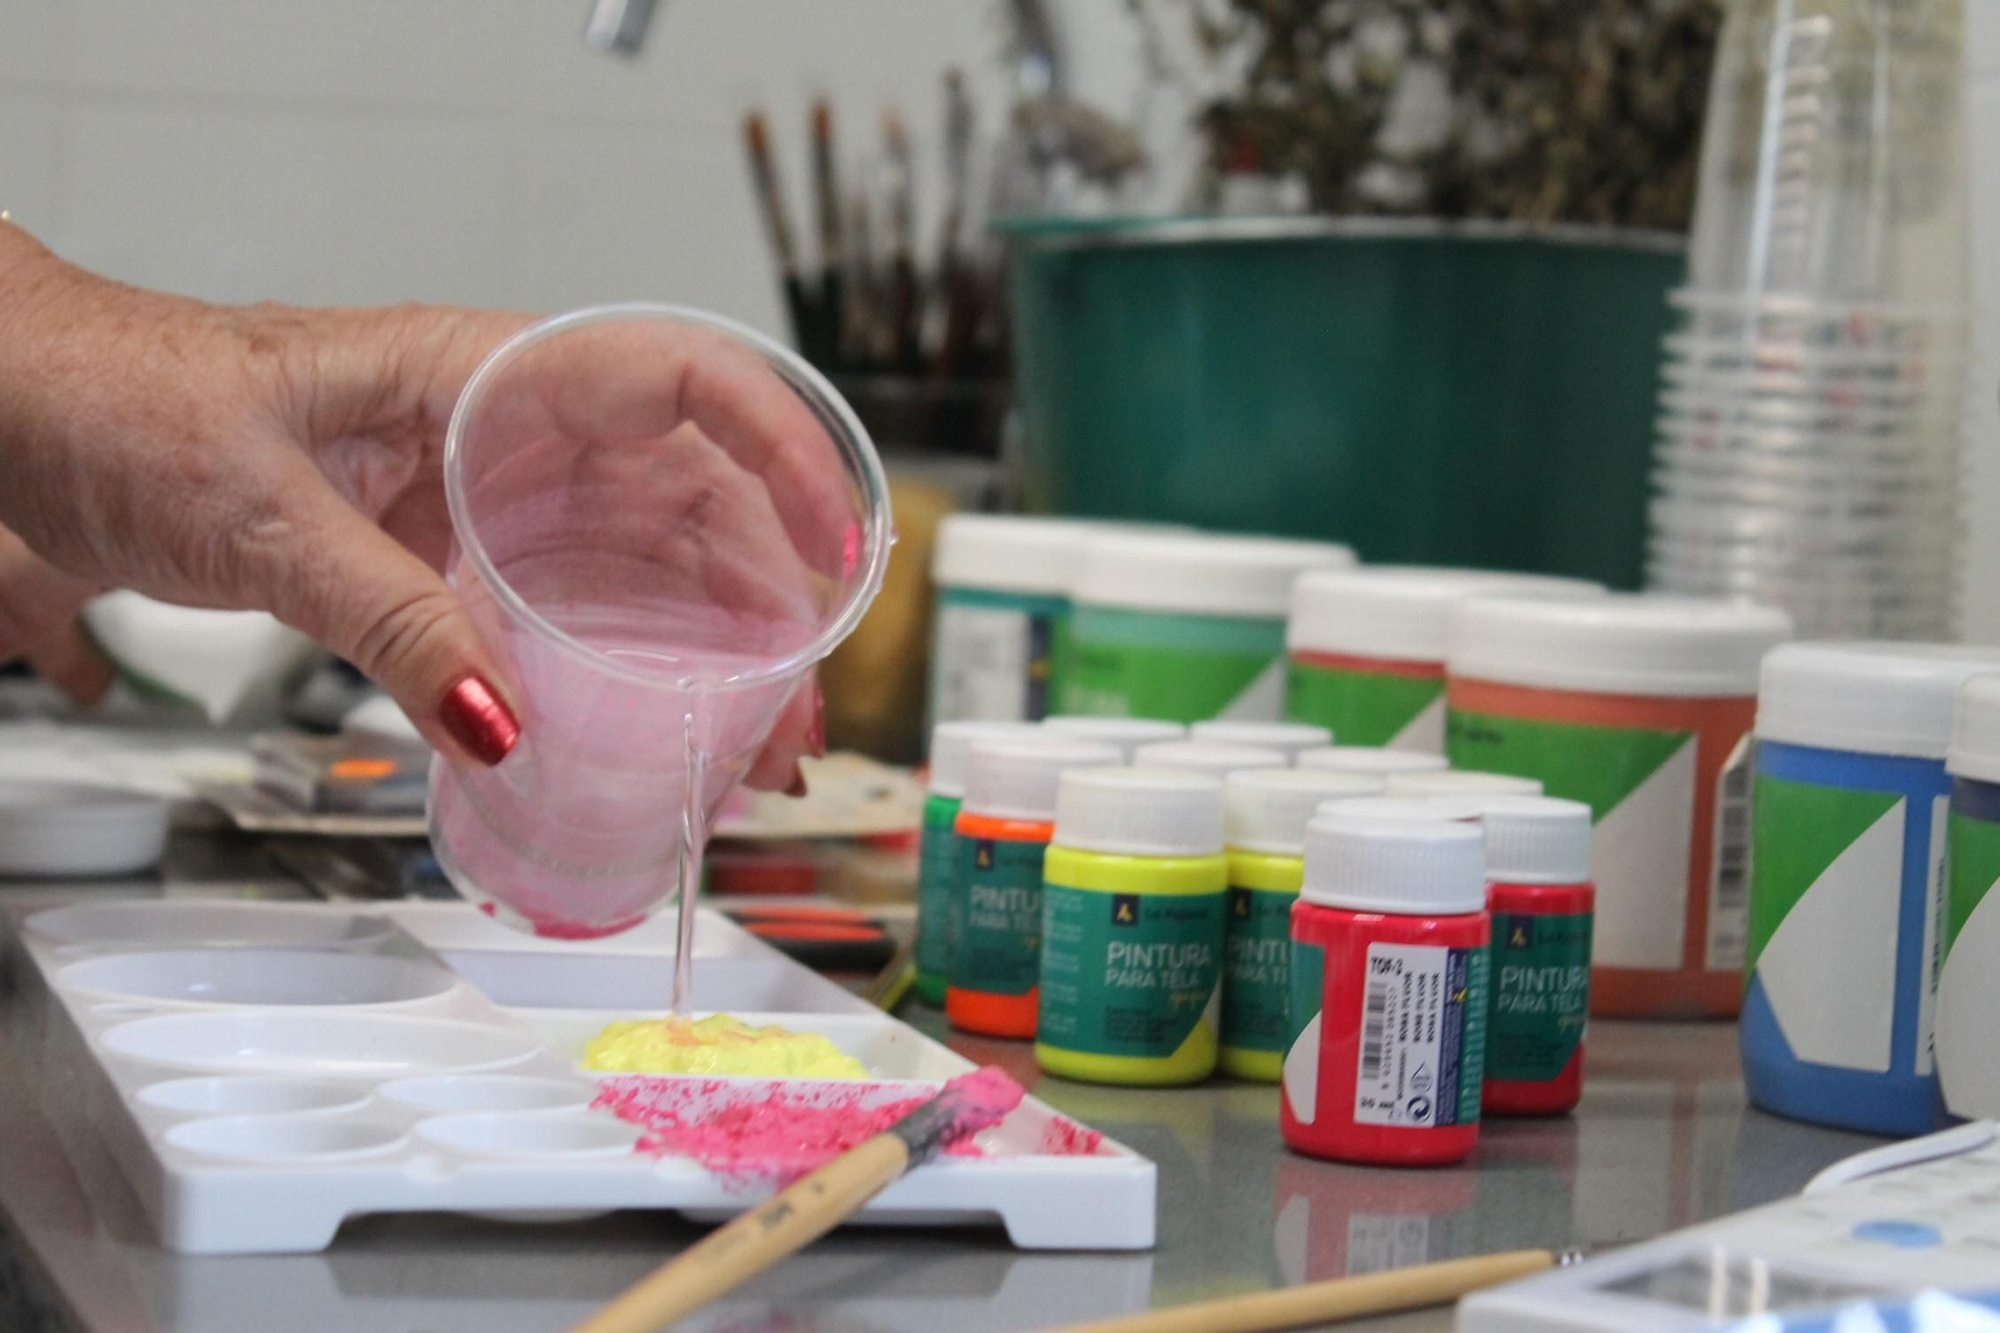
{"type": "Point", "coordinates": [661, 521]}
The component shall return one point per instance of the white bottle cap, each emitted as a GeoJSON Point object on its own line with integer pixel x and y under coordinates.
{"type": "Point", "coordinates": [1622, 643]}
{"type": "Point", "coordinates": [1199, 573]}
{"type": "Point", "coordinates": [1139, 812]}
{"type": "Point", "coordinates": [1286, 737]}
{"type": "Point", "coordinates": [1406, 807]}
{"type": "Point", "coordinates": [1008, 553]}
{"type": "Point", "coordinates": [1127, 733]}
{"type": "Point", "coordinates": [1460, 782]}
{"type": "Point", "coordinates": [1975, 735]}
{"type": "Point", "coordinates": [1218, 761]}
{"type": "Point", "coordinates": [1876, 698]}
{"type": "Point", "coordinates": [1536, 840]}
{"type": "Point", "coordinates": [1370, 759]}
{"type": "Point", "coordinates": [1267, 809]}
{"type": "Point", "coordinates": [1016, 779]}
{"type": "Point", "coordinates": [1401, 613]}
{"type": "Point", "coordinates": [951, 745]}
{"type": "Point", "coordinates": [1362, 862]}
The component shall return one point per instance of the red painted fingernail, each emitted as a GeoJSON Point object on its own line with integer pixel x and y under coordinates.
{"type": "Point", "coordinates": [798, 787]}
{"type": "Point", "coordinates": [480, 720]}
{"type": "Point", "coordinates": [816, 736]}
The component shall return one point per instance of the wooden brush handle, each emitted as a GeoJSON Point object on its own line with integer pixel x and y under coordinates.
{"type": "Point", "coordinates": [1325, 1302]}
{"type": "Point", "coordinates": [745, 1247]}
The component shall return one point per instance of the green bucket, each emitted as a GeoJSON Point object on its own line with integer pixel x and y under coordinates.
{"type": "Point", "coordinates": [1463, 394]}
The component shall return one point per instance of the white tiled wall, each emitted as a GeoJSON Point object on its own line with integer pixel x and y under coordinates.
{"type": "Point", "coordinates": [447, 150]}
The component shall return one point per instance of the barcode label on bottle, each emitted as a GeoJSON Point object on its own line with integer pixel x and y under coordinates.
{"type": "Point", "coordinates": [1422, 1047]}
{"type": "Point", "coordinates": [1729, 874]}
{"type": "Point", "coordinates": [1374, 1026]}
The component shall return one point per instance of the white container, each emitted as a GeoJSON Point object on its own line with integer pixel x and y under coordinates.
{"type": "Point", "coordinates": [1639, 706]}
{"type": "Point", "coordinates": [1367, 647]}
{"type": "Point", "coordinates": [1847, 859]}
{"type": "Point", "coordinates": [1186, 627]}
{"type": "Point", "coordinates": [72, 829]}
{"type": "Point", "coordinates": [249, 1119]}
{"type": "Point", "coordinates": [1969, 989]}
{"type": "Point", "coordinates": [1002, 612]}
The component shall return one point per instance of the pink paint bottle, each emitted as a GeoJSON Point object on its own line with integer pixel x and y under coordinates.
{"type": "Point", "coordinates": [1388, 1003]}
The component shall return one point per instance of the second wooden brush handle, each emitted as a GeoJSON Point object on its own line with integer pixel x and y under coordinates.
{"type": "Point", "coordinates": [733, 1254]}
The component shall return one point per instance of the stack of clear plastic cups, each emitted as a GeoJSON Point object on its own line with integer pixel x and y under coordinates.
{"type": "Point", "coordinates": [1807, 449]}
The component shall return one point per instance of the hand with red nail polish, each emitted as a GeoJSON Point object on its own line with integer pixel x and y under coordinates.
{"type": "Point", "coordinates": [290, 460]}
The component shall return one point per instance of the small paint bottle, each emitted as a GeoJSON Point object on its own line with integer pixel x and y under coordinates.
{"type": "Point", "coordinates": [1460, 782]}
{"type": "Point", "coordinates": [1004, 825]}
{"type": "Point", "coordinates": [1132, 937]}
{"type": "Point", "coordinates": [1264, 816]}
{"type": "Point", "coordinates": [938, 850]}
{"type": "Point", "coordinates": [1540, 895]}
{"type": "Point", "coordinates": [1388, 980]}
{"type": "Point", "coordinates": [1288, 738]}
{"type": "Point", "coordinates": [1127, 733]}
{"type": "Point", "coordinates": [1371, 759]}
{"type": "Point", "coordinates": [1207, 757]}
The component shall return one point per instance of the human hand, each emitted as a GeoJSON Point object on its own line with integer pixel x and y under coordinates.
{"type": "Point", "coordinates": [290, 460]}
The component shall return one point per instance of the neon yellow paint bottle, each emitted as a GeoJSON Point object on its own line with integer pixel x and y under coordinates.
{"type": "Point", "coordinates": [1133, 895]}
{"type": "Point", "coordinates": [1265, 813]}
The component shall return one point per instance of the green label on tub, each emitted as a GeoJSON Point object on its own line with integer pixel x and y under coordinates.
{"type": "Point", "coordinates": [997, 940]}
{"type": "Point", "coordinates": [1640, 786]}
{"type": "Point", "coordinates": [1541, 993]}
{"type": "Point", "coordinates": [1799, 830]}
{"type": "Point", "coordinates": [1256, 969]}
{"type": "Point", "coordinates": [1180, 668]}
{"type": "Point", "coordinates": [1974, 861]}
{"type": "Point", "coordinates": [1128, 974]}
{"type": "Point", "coordinates": [1360, 707]}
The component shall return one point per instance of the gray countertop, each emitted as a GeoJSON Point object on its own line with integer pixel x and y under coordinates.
{"type": "Point", "coordinates": [1663, 1139]}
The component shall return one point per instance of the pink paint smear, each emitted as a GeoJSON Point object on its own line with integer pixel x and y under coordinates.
{"type": "Point", "coordinates": [785, 1130]}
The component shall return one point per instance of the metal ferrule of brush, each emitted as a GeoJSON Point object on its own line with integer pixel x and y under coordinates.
{"type": "Point", "coordinates": [927, 1130]}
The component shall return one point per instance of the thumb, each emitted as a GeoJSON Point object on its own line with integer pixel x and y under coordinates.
{"type": "Point", "coordinates": [36, 598]}
{"type": "Point", "coordinates": [336, 576]}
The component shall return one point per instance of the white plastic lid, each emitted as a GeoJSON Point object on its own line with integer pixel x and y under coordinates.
{"type": "Point", "coordinates": [1400, 612]}
{"type": "Point", "coordinates": [1621, 643]}
{"type": "Point", "coordinates": [1877, 698]}
{"type": "Point", "coordinates": [1536, 840]}
{"type": "Point", "coordinates": [1406, 807]}
{"type": "Point", "coordinates": [1199, 573]}
{"type": "Point", "coordinates": [1460, 782]}
{"type": "Point", "coordinates": [1008, 553]}
{"type": "Point", "coordinates": [1288, 738]}
{"type": "Point", "coordinates": [1139, 812]}
{"type": "Point", "coordinates": [1218, 761]}
{"type": "Point", "coordinates": [1127, 733]}
{"type": "Point", "coordinates": [1267, 809]}
{"type": "Point", "coordinates": [1016, 779]}
{"type": "Point", "coordinates": [1370, 759]}
{"type": "Point", "coordinates": [1975, 734]}
{"type": "Point", "coordinates": [1362, 862]}
{"type": "Point", "coordinates": [951, 745]}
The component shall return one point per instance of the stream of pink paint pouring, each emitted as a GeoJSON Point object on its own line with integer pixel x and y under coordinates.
{"type": "Point", "coordinates": [789, 1129]}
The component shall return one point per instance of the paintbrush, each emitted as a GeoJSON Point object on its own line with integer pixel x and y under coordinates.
{"type": "Point", "coordinates": [802, 1213]}
{"type": "Point", "coordinates": [806, 328]}
{"type": "Point", "coordinates": [897, 191]}
{"type": "Point", "coordinates": [955, 283]}
{"type": "Point", "coordinates": [1318, 1303]}
{"type": "Point", "coordinates": [826, 198]}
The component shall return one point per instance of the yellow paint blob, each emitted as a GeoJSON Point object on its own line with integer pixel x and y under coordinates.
{"type": "Point", "coordinates": [720, 1045]}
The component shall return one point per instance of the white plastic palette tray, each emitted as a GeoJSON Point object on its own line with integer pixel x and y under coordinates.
{"type": "Point", "coordinates": [262, 1072]}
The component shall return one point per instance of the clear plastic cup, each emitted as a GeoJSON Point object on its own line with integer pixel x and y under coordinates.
{"type": "Point", "coordinates": [662, 520]}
